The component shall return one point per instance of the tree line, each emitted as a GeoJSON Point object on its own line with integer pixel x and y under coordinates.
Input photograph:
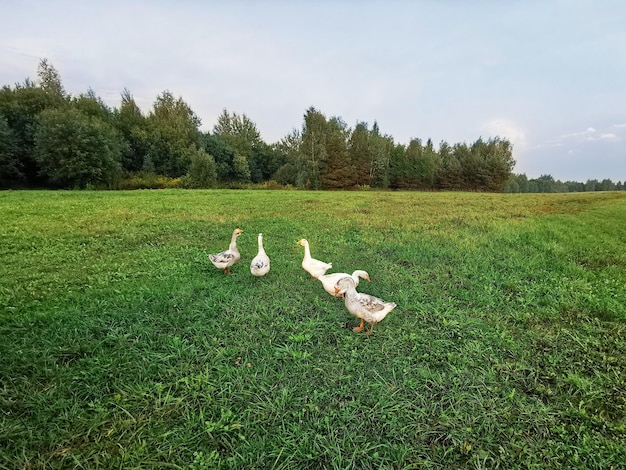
{"type": "Point", "coordinates": [50, 139]}
{"type": "Point", "coordinates": [519, 183]}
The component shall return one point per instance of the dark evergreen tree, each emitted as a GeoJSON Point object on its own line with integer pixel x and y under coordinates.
{"type": "Point", "coordinates": [361, 153]}
{"type": "Point", "coordinates": [336, 169]}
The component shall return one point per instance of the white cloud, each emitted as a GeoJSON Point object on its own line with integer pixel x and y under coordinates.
{"type": "Point", "coordinates": [508, 130]}
{"type": "Point", "coordinates": [587, 134]}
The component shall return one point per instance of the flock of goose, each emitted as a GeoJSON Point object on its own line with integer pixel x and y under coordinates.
{"type": "Point", "coordinates": [364, 306]}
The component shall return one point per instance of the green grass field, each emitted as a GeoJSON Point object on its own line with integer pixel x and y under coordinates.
{"type": "Point", "coordinates": [121, 346]}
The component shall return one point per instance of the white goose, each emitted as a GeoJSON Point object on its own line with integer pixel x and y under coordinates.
{"type": "Point", "coordinates": [260, 264]}
{"type": "Point", "coordinates": [226, 259]}
{"type": "Point", "coordinates": [314, 267]}
{"type": "Point", "coordinates": [329, 281]}
{"type": "Point", "coordinates": [364, 306]}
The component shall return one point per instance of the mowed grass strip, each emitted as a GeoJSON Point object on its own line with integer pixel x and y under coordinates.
{"type": "Point", "coordinates": [121, 346]}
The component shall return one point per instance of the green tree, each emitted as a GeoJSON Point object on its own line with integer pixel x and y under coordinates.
{"type": "Point", "coordinates": [20, 107]}
{"type": "Point", "coordinates": [362, 154]}
{"type": "Point", "coordinates": [264, 161]}
{"type": "Point", "coordinates": [336, 169]}
{"type": "Point", "coordinates": [398, 168]}
{"type": "Point", "coordinates": [415, 169]}
{"type": "Point", "coordinates": [239, 131]}
{"type": "Point", "coordinates": [499, 162]}
{"type": "Point", "coordinates": [10, 172]}
{"type": "Point", "coordinates": [92, 105]}
{"type": "Point", "coordinates": [244, 138]}
{"type": "Point", "coordinates": [76, 150]}
{"type": "Point", "coordinates": [381, 149]}
{"type": "Point", "coordinates": [50, 81]}
{"type": "Point", "coordinates": [606, 185]}
{"type": "Point", "coordinates": [288, 150]}
{"type": "Point", "coordinates": [450, 174]}
{"type": "Point", "coordinates": [202, 171]}
{"type": "Point", "coordinates": [133, 126]}
{"type": "Point", "coordinates": [173, 135]}
{"type": "Point", "coordinates": [488, 165]}
{"type": "Point", "coordinates": [312, 149]}
{"type": "Point", "coordinates": [241, 169]}
{"type": "Point", "coordinates": [221, 150]}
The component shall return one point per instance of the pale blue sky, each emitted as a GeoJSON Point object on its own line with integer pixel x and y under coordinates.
{"type": "Point", "coordinates": [549, 75]}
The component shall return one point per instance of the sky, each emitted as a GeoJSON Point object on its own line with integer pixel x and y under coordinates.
{"type": "Point", "coordinates": [548, 75]}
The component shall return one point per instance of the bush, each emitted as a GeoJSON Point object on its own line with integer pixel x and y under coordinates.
{"type": "Point", "coordinates": [142, 180]}
{"type": "Point", "coordinates": [202, 173]}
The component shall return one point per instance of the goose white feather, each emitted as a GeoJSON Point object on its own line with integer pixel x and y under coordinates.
{"type": "Point", "coordinates": [314, 267]}
{"type": "Point", "coordinates": [260, 264]}
{"type": "Point", "coordinates": [364, 306]}
{"type": "Point", "coordinates": [227, 258]}
{"type": "Point", "coordinates": [329, 281]}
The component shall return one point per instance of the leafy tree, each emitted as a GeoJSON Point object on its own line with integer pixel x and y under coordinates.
{"type": "Point", "coordinates": [244, 138]}
{"type": "Point", "coordinates": [517, 184]}
{"type": "Point", "coordinates": [219, 148]}
{"type": "Point", "coordinates": [76, 150]}
{"type": "Point", "coordinates": [173, 135]}
{"type": "Point", "coordinates": [9, 169]}
{"type": "Point", "coordinates": [50, 81]}
{"type": "Point", "coordinates": [202, 170]}
{"type": "Point", "coordinates": [450, 174]}
{"type": "Point", "coordinates": [264, 161]}
{"type": "Point", "coordinates": [288, 150]}
{"type": "Point", "coordinates": [20, 107]}
{"type": "Point", "coordinates": [606, 185]}
{"type": "Point", "coordinates": [286, 174]}
{"type": "Point", "coordinates": [546, 184]}
{"type": "Point", "coordinates": [592, 185]}
{"type": "Point", "coordinates": [485, 166]}
{"type": "Point", "coordinates": [241, 169]}
{"type": "Point", "coordinates": [474, 170]}
{"type": "Point", "coordinates": [133, 126]}
{"type": "Point", "coordinates": [312, 149]}
{"type": "Point", "coordinates": [499, 162]}
{"type": "Point", "coordinates": [574, 186]}
{"type": "Point", "coordinates": [239, 131]}
{"type": "Point", "coordinates": [92, 105]}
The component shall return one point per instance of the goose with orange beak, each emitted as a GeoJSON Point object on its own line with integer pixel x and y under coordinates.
{"type": "Point", "coordinates": [314, 267]}
{"type": "Point", "coordinates": [226, 259]}
{"type": "Point", "coordinates": [364, 306]}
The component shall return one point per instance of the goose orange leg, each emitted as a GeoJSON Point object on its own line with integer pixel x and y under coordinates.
{"type": "Point", "coordinates": [371, 329]}
{"type": "Point", "coordinates": [227, 270]}
{"type": "Point", "coordinates": [359, 328]}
